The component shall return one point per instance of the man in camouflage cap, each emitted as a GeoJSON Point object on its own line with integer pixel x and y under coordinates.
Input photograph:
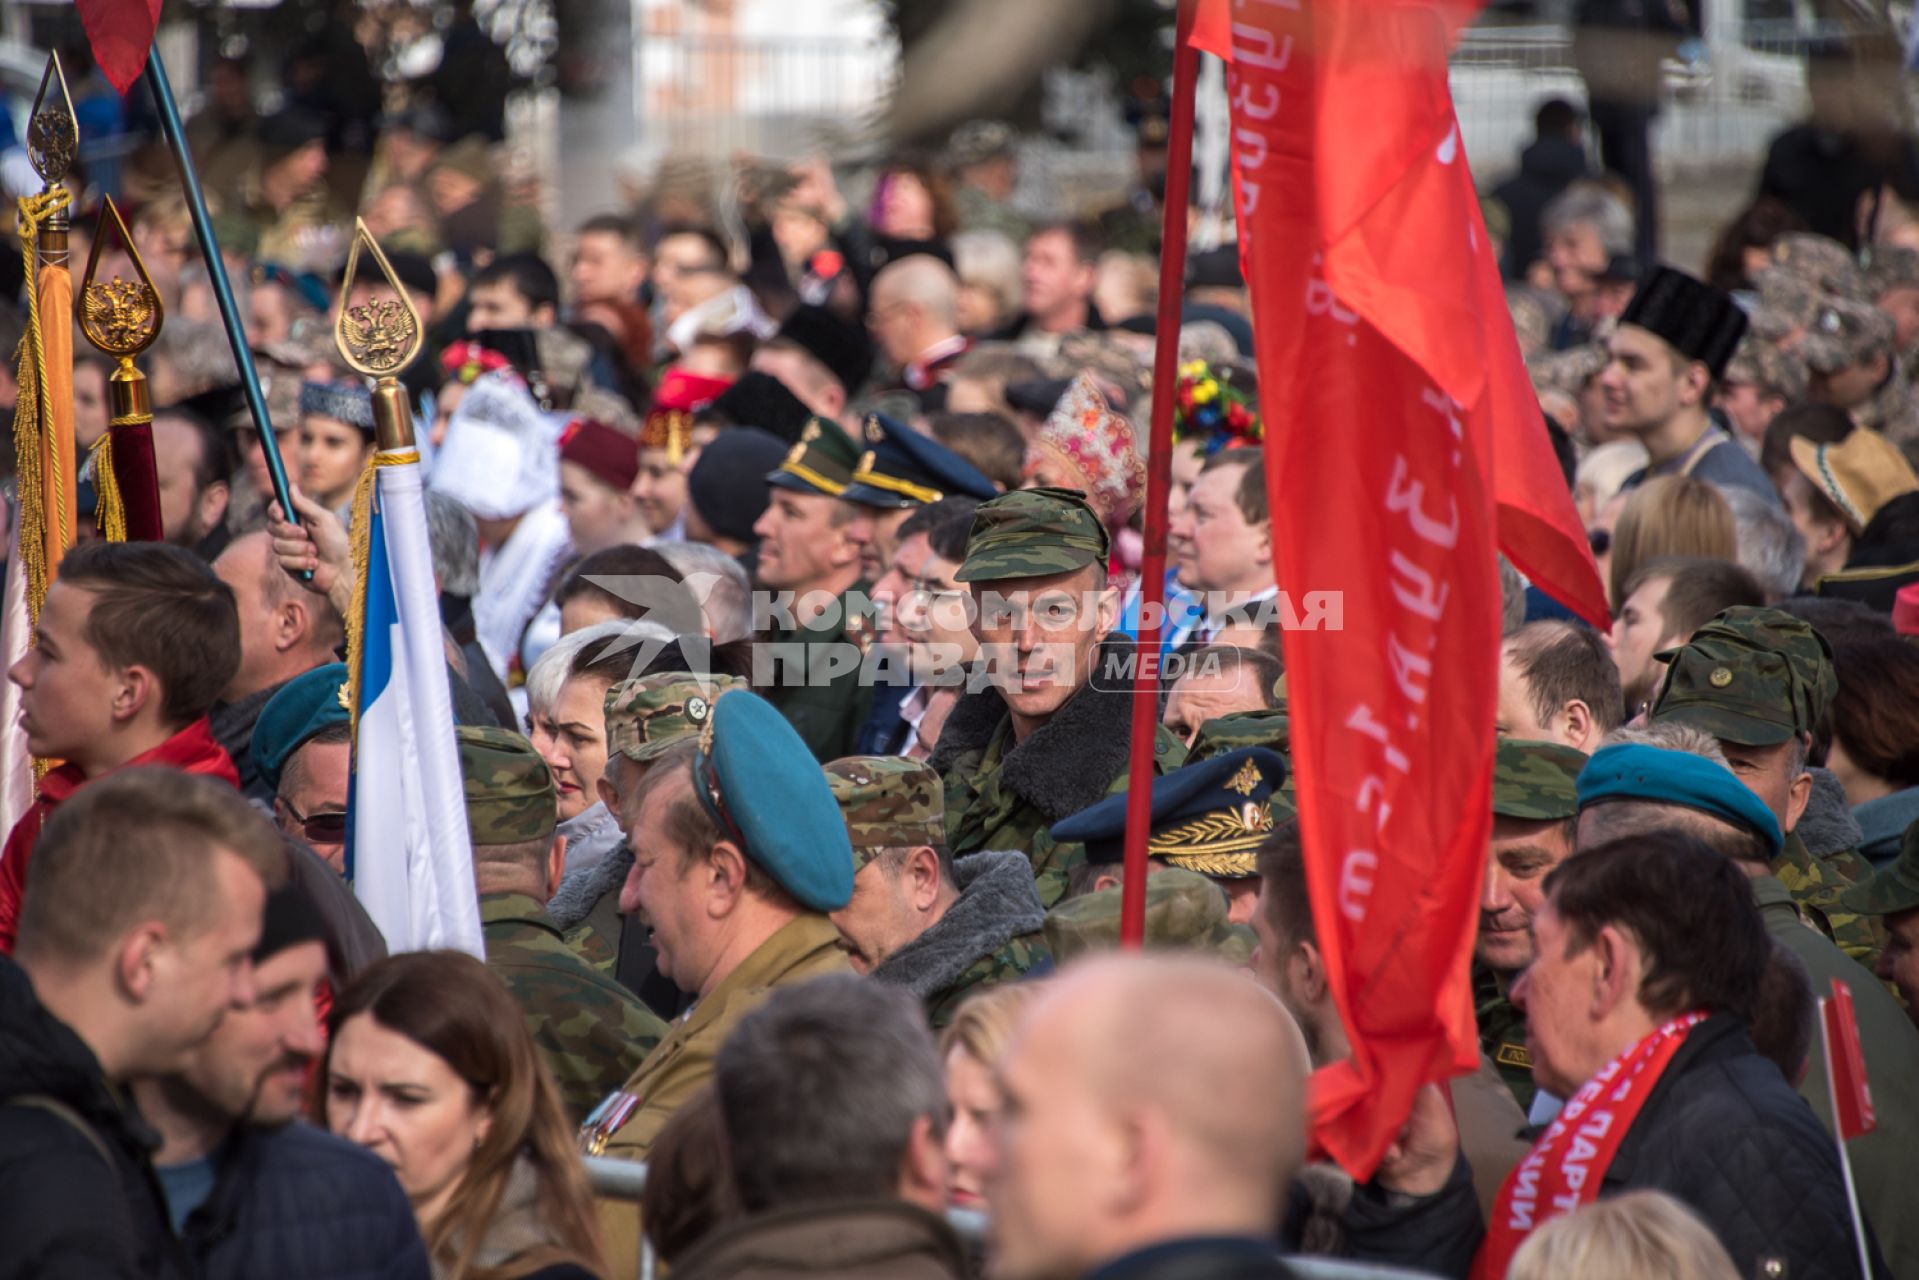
{"type": "Point", "coordinates": [1184, 911]}
{"type": "Point", "coordinates": [590, 1030]}
{"type": "Point", "coordinates": [1535, 805]}
{"type": "Point", "coordinates": [1818, 262]}
{"type": "Point", "coordinates": [1850, 350]}
{"type": "Point", "coordinates": [1043, 731]}
{"type": "Point", "coordinates": [1761, 379]}
{"type": "Point", "coordinates": [1760, 682]}
{"type": "Point", "coordinates": [811, 537]}
{"type": "Point", "coordinates": [919, 919]}
{"type": "Point", "coordinates": [1892, 283]}
{"type": "Point", "coordinates": [1892, 894]}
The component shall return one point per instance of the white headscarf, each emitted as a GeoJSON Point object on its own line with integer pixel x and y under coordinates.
{"type": "Point", "coordinates": [501, 456]}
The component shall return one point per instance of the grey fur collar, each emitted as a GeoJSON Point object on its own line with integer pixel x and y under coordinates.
{"type": "Point", "coordinates": [590, 835]}
{"type": "Point", "coordinates": [997, 903]}
{"type": "Point", "coordinates": [1066, 764]}
{"type": "Point", "coordinates": [1827, 826]}
{"type": "Point", "coordinates": [580, 890]}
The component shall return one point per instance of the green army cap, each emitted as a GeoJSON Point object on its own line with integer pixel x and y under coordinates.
{"type": "Point", "coordinates": [1031, 533]}
{"type": "Point", "coordinates": [1184, 911]}
{"type": "Point", "coordinates": [1752, 676]}
{"type": "Point", "coordinates": [889, 802]}
{"type": "Point", "coordinates": [509, 789]}
{"type": "Point", "coordinates": [646, 716]}
{"type": "Point", "coordinates": [1536, 781]}
{"type": "Point", "coordinates": [1892, 888]}
{"type": "Point", "coordinates": [822, 461]}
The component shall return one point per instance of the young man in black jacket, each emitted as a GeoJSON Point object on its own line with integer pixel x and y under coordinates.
{"type": "Point", "coordinates": [136, 937]}
{"type": "Point", "coordinates": [251, 1189]}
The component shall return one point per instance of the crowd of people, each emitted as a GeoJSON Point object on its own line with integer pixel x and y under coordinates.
{"type": "Point", "coordinates": [788, 551]}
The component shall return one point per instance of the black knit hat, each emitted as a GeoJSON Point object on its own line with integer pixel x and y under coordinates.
{"type": "Point", "coordinates": [1698, 321]}
{"type": "Point", "coordinates": [759, 400]}
{"type": "Point", "coordinates": [290, 918]}
{"type": "Point", "coordinates": [842, 346]}
{"type": "Point", "coordinates": [727, 484]}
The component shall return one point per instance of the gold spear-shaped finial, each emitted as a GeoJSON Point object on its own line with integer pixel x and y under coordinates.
{"type": "Point", "coordinates": [53, 137]}
{"type": "Point", "coordinates": [379, 338]}
{"type": "Point", "coordinates": [120, 317]}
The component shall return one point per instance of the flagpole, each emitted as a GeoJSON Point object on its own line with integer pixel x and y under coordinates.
{"type": "Point", "coordinates": [1826, 1038]}
{"type": "Point", "coordinates": [217, 273]}
{"type": "Point", "coordinates": [1159, 478]}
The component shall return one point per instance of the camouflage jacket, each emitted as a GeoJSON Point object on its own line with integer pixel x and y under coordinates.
{"type": "Point", "coordinates": [1502, 1035]}
{"type": "Point", "coordinates": [1002, 794]}
{"type": "Point", "coordinates": [1816, 883]}
{"type": "Point", "coordinates": [989, 935]}
{"type": "Point", "coordinates": [1009, 964]}
{"type": "Point", "coordinates": [592, 1032]}
{"type": "Point", "coordinates": [827, 706]}
{"type": "Point", "coordinates": [1893, 411]}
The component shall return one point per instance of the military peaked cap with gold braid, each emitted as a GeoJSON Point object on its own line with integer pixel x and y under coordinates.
{"type": "Point", "coordinates": [903, 468]}
{"type": "Point", "coordinates": [1207, 817]}
{"type": "Point", "coordinates": [822, 461]}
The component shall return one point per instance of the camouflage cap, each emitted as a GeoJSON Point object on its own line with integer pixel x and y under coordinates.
{"type": "Point", "coordinates": [1891, 889]}
{"type": "Point", "coordinates": [1032, 533]}
{"type": "Point", "coordinates": [1751, 676]}
{"type": "Point", "coordinates": [1819, 261]}
{"type": "Point", "coordinates": [889, 802]}
{"type": "Point", "coordinates": [1890, 268]}
{"type": "Point", "coordinates": [821, 462]}
{"type": "Point", "coordinates": [1844, 333]}
{"type": "Point", "coordinates": [1762, 364]}
{"type": "Point", "coordinates": [509, 789]}
{"type": "Point", "coordinates": [1536, 781]}
{"type": "Point", "coordinates": [1184, 911]}
{"type": "Point", "coordinates": [1268, 728]}
{"type": "Point", "coordinates": [646, 716]}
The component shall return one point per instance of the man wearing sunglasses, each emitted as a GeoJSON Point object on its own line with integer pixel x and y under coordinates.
{"type": "Point", "coordinates": [302, 748]}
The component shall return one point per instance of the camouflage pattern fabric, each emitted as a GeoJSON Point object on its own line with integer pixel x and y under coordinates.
{"type": "Point", "coordinates": [827, 712]}
{"type": "Point", "coordinates": [889, 802]}
{"type": "Point", "coordinates": [1818, 884]}
{"type": "Point", "coordinates": [1536, 781]}
{"type": "Point", "coordinates": [1844, 333]}
{"type": "Point", "coordinates": [1032, 533]}
{"type": "Point", "coordinates": [1761, 363]}
{"type": "Point", "coordinates": [1008, 964]}
{"type": "Point", "coordinates": [1818, 262]}
{"type": "Point", "coordinates": [1184, 911]}
{"type": "Point", "coordinates": [646, 716]}
{"type": "Point", "coordinates": [982, 813]}
{"type": "Point", "coordinates": [1891, 268]}
{"type": "Point", "coordinates": [1894, 887]}
{"type": "Point", "coordinates": [1751, 676]}
{"type": "Point", "coordinates": [509, 789]}
{"type": "Point", "coordinates": [592, 1032]}
{"type": "Point", "coordinates": [1502, 1036]}
{"type": "Point", "coordinates": [981, 212]}
{"type": "Point", "coordinates": [1271, 729]}
{"type": "Point", "coordinates": [1893, 411]}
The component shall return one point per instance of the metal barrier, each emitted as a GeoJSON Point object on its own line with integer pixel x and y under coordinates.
{"type": "Point", "coordinates": [626, 1180]}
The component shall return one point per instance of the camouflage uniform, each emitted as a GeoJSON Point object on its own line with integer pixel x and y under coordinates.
{"type": "Point", "coordinates": [1270, 728]}
{"type": "Point", "coordinates": [991, 932]}
{"type": "Point", "coordinates": [1756, 677]}
{"type": "Point", "coordinates": [826, 711]}
{"type": "Point", "coordinates": [1889, 269]}
{"type": "Point", "coordinates": [1184, 911]}
{"type": "Point", "coordinates": [1848, 332]}
{"type": "Point", "coordinates": [592, 1033]}
{"type": "Point", "coordinates": [1025, 534]}
{"type": "Point", "coordinates": [1532, 782]}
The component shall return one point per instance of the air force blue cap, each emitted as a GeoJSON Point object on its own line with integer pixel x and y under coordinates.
{"type": "Point", "coordinates": [903, 468]}
{"type": "Point", "coordinates": [1635, 771]}
{"type": "Point", "coordinates": [759, 783]}
{"type": "Point", "coordinates": [305, 705]}
{"type": "Point", "coordinates": [1207, 817]}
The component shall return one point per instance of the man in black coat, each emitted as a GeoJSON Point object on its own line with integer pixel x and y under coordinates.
{"type": "Point", "coordinates": [1641, 941]}
{"type": "Point", "coordinates": [251, 1188]}
{"type": "Point", "coordinates": [141, 908]}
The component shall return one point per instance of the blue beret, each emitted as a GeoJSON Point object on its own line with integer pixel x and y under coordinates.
{"type": "Point", "coordinates": [303, 707]}
{"type": "Point", "coordinates": [760, 784]}
{"type": "Point", "coordinates": [902, 468]}
{"type": "Point", "coordinates": [1207, 817]}
{"type": "Point", "coordinates": [1634, 771]}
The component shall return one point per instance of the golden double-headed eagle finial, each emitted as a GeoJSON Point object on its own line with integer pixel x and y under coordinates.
{"type": "Point", "coordinates": [53, 135]}
{"type": "Point", "coordinates": [120, 317]}
{"type": "Point", "coordinates": [381, 336]}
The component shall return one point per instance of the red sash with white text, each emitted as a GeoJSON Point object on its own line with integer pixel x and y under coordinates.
{"type": "Point", "coordinates": [1567, 1165]}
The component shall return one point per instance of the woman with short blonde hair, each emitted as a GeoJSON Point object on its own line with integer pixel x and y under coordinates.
{"type": "Point", "coordinates": [1644, 1234]}
{"type": "Point", "coordinates": [970, 1050]}
{"type": "Point", "coordinates": [1669, 516]}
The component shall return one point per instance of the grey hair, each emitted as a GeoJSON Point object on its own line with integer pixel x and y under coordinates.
{"type": "Point", "coordinates": [1670, 735]}
{"type": "Point", "coordinates": [1769, 548]}
{"type": "Point", "coordinates": [549, 671]}
{"type": "Point", "coordinates": [716, 578]}
{"type": "Point", "coordinates": [1586, 202]}
{"type": "Point", "coordinates": [820, 1090]}
{"type": "Point", "coordinates": [455, 540]}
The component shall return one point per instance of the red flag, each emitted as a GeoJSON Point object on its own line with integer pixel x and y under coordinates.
{"type": "Point", "coordinates": [121, 33]}
{"type": "Point", "coordinates": [1381, 328]}
{"type": "Point", "coordinates": [1852, 1113]}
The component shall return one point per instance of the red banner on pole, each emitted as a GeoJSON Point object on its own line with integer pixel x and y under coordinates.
{"type": "Point", "coordinates": [1852, 1114]}
{"type": "Point", "coordinates": [121, 34]}
{"type": "Point", "coordinates": [1391, 383]}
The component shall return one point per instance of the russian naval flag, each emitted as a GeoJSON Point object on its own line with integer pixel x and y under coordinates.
{"type": "Point", "coordinates": [407, 850]}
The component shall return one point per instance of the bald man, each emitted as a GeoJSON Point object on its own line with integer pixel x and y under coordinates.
{"type": "Point", "coordinates": [913, 314]}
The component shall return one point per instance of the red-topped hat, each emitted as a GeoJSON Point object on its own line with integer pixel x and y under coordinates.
{"type": "Point", "coordinates": [609, 454]}
{"type": "Point", "coordinates": [680, 395]}
{"type": "Point", "coordinates": [466, 360]}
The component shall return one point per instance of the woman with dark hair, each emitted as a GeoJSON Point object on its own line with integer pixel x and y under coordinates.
{"type": "Point", "coordinates": [430, 1067]}
{"type": "Point", "coordinates": [1875, 738]}
{"type": "Point", "coordinates": [1744, 246]}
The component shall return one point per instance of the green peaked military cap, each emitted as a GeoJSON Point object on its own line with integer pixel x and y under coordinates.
{"type": "Point", "coordinates": [1894, 887]}
{"type": "Point", "coordinates": [647, 715]}
{"type": "Point", "coordinates": [1033, 533]}
{"type": "Point", "coordinates": [1536, 781]}
{"type": "Point", "coordinates": [509, 789]}
{"type": "Point", "coordinates": [1753, 676]}
{"type": "Point", "coordinates": [822, 461]}
{"type": "Point", "coordinates": [889, 802]}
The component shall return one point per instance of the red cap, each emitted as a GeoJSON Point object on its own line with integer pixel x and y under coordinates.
{"type": "Point", "coordinates": [607, 453]}
{"type": "Point", "coordinates": [1905, 611]}
{"type": "Point", "coordinates": [669, 423]}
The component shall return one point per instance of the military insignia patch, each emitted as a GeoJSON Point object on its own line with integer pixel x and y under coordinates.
{"type": "Point", "coordinates": [1513, 1055]}
{"type": "Point", "coordinates": [1246, 781]}
{"type": "Point", "coordinates": [696, 709]}
{"type": "Point", "coordinates": [874, 431]}
{"type": "Point", "coordinates": [1719, 678]}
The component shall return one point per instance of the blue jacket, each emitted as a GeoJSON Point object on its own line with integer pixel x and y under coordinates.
{"type": "Point", "coordinates": [297, 1203]}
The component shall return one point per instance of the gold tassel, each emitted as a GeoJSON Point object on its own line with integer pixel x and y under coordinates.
{"type": "Point", "coordinates": [110, 510]}
{"type": "Point", "coordinates": [32, 377]}
{"type": "Point", "coordinates": [362, 537]}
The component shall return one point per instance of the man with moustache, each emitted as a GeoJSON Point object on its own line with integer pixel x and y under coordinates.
{"type": "Point", "coordinates": [252, 1190]}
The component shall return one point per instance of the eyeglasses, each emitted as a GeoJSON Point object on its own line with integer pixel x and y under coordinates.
{"type": "Point", "coordinates": [320, 828]}
{"type": "Point", "coordinates": [1600, 540]}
